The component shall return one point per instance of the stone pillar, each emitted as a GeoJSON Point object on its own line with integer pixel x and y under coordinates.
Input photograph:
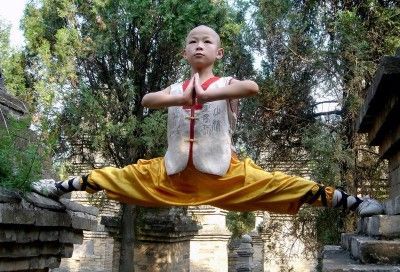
{"type": "Point", "coordinates": [245, 255]}
{"type": "Point", "coordinates": [98, 250]}
{"type": "Point", "coordinates": [262, 219]}
{"type": "Point", "coordinates": [163, 241]}
{"type": "Point", "coordinates": [208, 249]}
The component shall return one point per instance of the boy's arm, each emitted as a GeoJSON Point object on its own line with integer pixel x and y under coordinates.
{"type": "Point", "coordinates": [162, 99]}
{"type": "Point", "coordinates": [236, 89]}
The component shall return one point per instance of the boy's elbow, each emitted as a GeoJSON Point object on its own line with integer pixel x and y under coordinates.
{"type": "Point", "coordinates": [143, 103]}
{"type": "Point", "coordinates": [146, 101]}
{"type": "Point", "coordinates": [253, 87]}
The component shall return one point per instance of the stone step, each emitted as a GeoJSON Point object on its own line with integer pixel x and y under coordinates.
{"type": "Point", "coordinates": [371, 250]}
{"type": "Point", "coordinates": [380, 225]}
{"type": "Point", "coordinates": [393, 206]}
{"type": "Point", "coordinates": [336, 259]}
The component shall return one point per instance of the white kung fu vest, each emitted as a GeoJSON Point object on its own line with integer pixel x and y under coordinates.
{"type": "Point", "coordinates": [207, 127]}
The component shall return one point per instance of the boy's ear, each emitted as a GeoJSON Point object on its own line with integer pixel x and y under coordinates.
{"type": "Point", "coordinates": [184, 54]}
{"type": "Point", "coordinates": [220, 53]}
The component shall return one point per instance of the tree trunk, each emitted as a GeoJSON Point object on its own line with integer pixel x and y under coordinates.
{"type": "Point", "coordinates": [127, 238]}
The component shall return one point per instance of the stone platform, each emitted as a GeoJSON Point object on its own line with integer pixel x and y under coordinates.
{"type": "Point", "coordinates": [36, 232]}
{"type": "Point", "coordinates": [336, 259]}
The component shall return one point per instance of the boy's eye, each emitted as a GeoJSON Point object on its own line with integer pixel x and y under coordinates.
{"type": "Point", "coordinates": [192, 41]}
{"type": "Point", "coordinates": [207, 41]}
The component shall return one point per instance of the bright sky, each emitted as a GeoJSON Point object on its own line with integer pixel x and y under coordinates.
{"type": "Point", "coordinates": [11, 12]}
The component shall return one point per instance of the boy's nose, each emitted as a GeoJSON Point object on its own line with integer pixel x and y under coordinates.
{"type": "Point", "coordinates": [200, 45]}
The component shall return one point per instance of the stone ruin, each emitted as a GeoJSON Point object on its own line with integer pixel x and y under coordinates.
{"type": "Point", "coordinates": [36, 232]}
{"type": "Point", "coordinates": [375, 246]}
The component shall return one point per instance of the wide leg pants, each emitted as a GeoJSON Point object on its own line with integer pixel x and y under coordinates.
{"type": "Point", "coordinates": [245, 187]}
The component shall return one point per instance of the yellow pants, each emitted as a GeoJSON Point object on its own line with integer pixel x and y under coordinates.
{"type": "Point", "coordinates": [246, 187]}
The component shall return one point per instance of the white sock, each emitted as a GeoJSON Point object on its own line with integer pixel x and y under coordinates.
{"type": "Point", "coordinates": [337, 197]}
{"type": "Point", "coordinates": [76, 183]}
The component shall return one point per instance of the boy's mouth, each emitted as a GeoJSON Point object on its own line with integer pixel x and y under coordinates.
{"type": "Point", "coordinates": [199, 55]}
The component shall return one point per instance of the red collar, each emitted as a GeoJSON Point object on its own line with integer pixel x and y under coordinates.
{"type": "Point", "coordinates": [205, 85]}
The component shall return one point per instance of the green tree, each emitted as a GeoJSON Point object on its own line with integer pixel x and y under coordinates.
{"type": "Point", "coordinates": [21, 154]}
{"type": "Point", "coordinates": [240, 223]}
{"type": "Point", "coordinates": [12, 67]}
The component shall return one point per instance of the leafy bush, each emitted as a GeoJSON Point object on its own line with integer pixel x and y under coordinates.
{"type": "Point", "coordinates": [240, 223]}
{"type": "Point", "coordinates": [20, 158]}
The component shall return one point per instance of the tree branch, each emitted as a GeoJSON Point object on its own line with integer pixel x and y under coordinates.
{"type": "Point", "coordinates": [337, 112]}
{"type": "Point", "coordinates": [323, 102]}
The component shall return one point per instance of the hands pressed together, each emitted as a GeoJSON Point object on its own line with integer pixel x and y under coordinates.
{"type": "Point", "coordinates": [194, 93]}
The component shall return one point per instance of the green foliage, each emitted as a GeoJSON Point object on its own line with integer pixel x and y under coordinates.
{"type": "Point", "coordinates": [20, 159]}
{"type": "Point", "coordinates": [155, 124]}
{"type": "Point", "coordinates": [326, 154]}
{"type": "Point", "coordinates": [12, 66]}
{"type": "Point", "coordinates": [240, 223]}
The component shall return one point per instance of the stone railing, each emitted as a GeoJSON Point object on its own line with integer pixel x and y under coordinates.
{"type": "Point", "coordinates": [36, 232]}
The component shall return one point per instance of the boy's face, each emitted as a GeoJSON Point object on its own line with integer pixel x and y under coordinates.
{"type": "Point", "coordinates": [202, 47]}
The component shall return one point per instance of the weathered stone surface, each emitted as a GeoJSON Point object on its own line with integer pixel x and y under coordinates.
{"type": "Point", "coordinates": [22, 235]}
{"type": "Point", "coordinates": [211, 238]}
{"type": "Point", "coordinates": [258, 255]}
{"type": "Point", "coordinates": [386, 119]}
{"type": "Point", "coordinates": [76, 207]}
{"type": "Point", "coordinates": [49, 235]}
{"type": "Point", "coordinates": [83, 221]}
{"type": "Point", "coordinates": [383, 83]}
{"type": "Point", "coordinates": [29, 250]}
{"type": "Point", "coordinates": [393, 206]}
{"type": "Point", "coordinates": [34, 237]}
{"type": "Point", "coordinates": [336, 259]}
{"type": "Point", "coordinates": [370, 250]}
{"type": "Point", "coordinates": [394, 161]}
{"type": "Point", "coordinates": [381, 225]}
{"type": "Point", "coordinates": [12, 104]}
{"type": "Point", "coordinates": [160, 257]}
{"type": "Point", "coordinates": [71, 237]}
{"type": "Point", "coordinates": [43, 202]}
{"type": "Point", "coordinates": [51, 218]}
{"type": "Point", "coordinates": [13, 215]}
{"type": "Point", "coordinates": [9, 196]}
{"type": "Point", "coordinates": [346, 239]}
{"type": "Point", "coordinates": [67, 250]}
{"type": "Point", "coordinates": [394, 179]}
{"type": "Point", "coordinates": [245, 255]}
{"type": "Point", "coordinates": [167, 225]}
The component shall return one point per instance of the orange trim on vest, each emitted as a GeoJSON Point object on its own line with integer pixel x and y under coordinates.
{"type": "Point", "coordinates": [193, 108]}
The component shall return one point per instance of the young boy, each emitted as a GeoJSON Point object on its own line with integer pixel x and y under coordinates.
{"type": "Point", "coordinates": [200, 166]}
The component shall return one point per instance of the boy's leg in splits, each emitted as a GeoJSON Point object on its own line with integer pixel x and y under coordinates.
{"type": "Point", "coordinates": [134, 183]}
{"type": "Point", "coordinates": [281, 193]}
{"type": "Point", "coordinates": [245, 187]}
{"type": "Point", "coordinates": [52, 188]}
{"type": "Point", "coordinates": [340, 199]}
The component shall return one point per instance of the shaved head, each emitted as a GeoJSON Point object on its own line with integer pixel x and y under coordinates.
{"type": "Point", "coordinates": [204, 29]}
